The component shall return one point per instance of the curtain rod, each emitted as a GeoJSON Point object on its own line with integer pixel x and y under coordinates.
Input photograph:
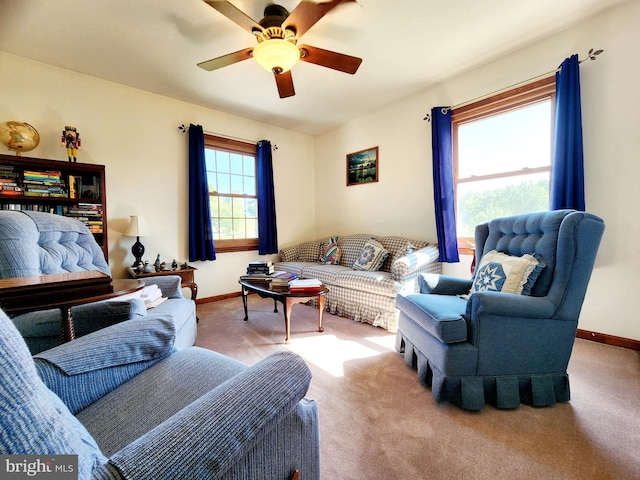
{"type": "Point", "coordinates": [590, 56]}
{"type": "Point", "coordinates": [184, 129]}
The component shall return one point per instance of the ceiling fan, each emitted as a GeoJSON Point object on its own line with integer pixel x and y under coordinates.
{"type": "Point", "coordinates": [277, 35]}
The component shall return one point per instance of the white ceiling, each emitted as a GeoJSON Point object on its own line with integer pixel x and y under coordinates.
{"type": "Point", "coordinates": [406, 45]}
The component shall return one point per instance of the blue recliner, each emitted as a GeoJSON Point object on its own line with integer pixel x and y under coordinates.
{"type": "Point", "coordinates": [133, 407]}
{"type": "Point", "coordinates": [38, 243]}
{"type": "Point", "coordinates": [474, 343]}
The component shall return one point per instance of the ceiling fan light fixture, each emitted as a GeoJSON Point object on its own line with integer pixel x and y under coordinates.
{"type": "Point", "coordinates": [276, 55]}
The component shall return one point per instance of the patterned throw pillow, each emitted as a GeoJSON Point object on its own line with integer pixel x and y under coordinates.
{"type": "Point", "coordinates": [372, 257]}
{"type": "Point", "coordinates": [331, 253]}
{"type": "Point", "coordinates": [500, 272]}
{"type": "Point", "coordinates": [289, 254]}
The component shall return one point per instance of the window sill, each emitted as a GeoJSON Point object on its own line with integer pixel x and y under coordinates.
{"type": "Point", "coordinates": [226, 246]}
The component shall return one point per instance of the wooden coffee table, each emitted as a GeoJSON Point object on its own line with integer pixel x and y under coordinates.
{"type": "Point", "coordinates": [287, 298]}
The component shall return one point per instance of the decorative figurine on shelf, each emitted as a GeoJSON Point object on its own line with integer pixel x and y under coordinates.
{"type": "Point", "coordinates": [174, 265]}
{"type": "Point", "coordinates": [157, 263]}
{"type": "Point", "coordinates": [147, 267]}
{"type": "Point", "coordinates": [139, 267]}
{"type": "Point", "coordinates": [71, 140]}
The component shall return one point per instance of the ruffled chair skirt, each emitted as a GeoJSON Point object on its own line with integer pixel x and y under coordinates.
{"type": "Point", "coordinates": [473, 392]}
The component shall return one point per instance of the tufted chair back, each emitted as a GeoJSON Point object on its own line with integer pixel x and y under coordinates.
{"type": "Point", "coordinates": [567, 242]}
{"type": "Point", "coordinates": [38, 243]}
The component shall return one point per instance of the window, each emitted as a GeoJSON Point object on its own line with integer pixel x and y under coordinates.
{"type": "Point", "coordinates": [231, 174]}
{"type": "Point", "coordinates": [502, 156]}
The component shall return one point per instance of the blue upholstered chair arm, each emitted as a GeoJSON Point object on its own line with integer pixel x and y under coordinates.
{"type": "Point", "coordinates": [228, 420]}
{"type": "Point", "coordinates": [443, 284]}
{"type": "Point", "coordinates": [517, 334]}
{"type": "Point", "coordinates": [509, 305]}
{"type": "Point", "coordinates": [105, 359]}
{"type": "Point", "coordinates": [168, 284]}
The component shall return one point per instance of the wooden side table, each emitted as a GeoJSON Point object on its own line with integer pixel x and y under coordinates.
{"type": "Point", "coordinates": [186, 274]}
{"type": "Point", "coordinates": [63, 291]}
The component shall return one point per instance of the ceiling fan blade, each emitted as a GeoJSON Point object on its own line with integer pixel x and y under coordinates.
{"type": "Point", "coordinates": [284, 81]}
{"type": "Point", "coordinates": [234, 14]}
{"type": "Point", "coordinates": [307, 13]}
{"type": "Point", "coordinates": [223, 61]}
{"type": "Point", "coordinates": [329, 59]}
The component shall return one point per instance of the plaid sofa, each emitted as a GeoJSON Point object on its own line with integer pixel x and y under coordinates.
{"type": "Point", "coordinates": [364, 296]}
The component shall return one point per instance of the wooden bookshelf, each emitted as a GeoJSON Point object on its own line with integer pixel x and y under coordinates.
{"type": "Point", "coordinates": [76, 190]}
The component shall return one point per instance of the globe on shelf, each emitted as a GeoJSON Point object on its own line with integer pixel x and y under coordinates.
{"type": "Point", "coordinates": [19, 136]}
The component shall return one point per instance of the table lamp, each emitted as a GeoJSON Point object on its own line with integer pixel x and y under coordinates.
{"type": "Point", "coordinates": [136, 228]}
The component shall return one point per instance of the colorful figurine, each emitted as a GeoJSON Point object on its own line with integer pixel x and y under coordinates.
{"type": "Point", "coordinates": [71, 140]}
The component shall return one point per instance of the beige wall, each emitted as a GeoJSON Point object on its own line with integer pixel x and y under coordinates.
{"type": "Point", "coordinates": [403, 197]}
{"type": "Point", "coordinates": [135, 135]}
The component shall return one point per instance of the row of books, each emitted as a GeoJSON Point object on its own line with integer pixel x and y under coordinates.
{"type": "Point", "coordinates": [48, 183]}
{"type": "Point", "coordinates": [91, 217]}
{"type": "Point", "coordinates": [43, 184]}
{"type": "Point", "coordinates": [9, 185]}
{"type": "Point", "coordinates": [89, 213]}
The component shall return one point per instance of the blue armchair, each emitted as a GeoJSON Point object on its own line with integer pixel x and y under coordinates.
{"type": "Point", "coordinates": [505, 336]}
{"type": "Point", "coordinates": [37, 243]}
{"type": "Point", "coordinates": [131, 406]}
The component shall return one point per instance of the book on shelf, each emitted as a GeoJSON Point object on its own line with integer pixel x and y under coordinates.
{"type": "Point", "coordinates": [75, 186]}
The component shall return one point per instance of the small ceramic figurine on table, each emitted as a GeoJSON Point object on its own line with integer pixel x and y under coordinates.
{"type": "Point", "coordinates": [71, 140]}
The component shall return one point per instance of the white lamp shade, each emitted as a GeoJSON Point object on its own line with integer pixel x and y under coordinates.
{"type": "Point", "coordinates": [137, 227]}
{"type": "Point", "coordinates": [277, 54]}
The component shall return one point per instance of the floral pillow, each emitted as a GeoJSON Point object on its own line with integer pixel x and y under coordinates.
{"type": "Point", "coordinates": [332, 253]}
{"type": "Point", "coordinates": [372, 256]}
{"type": "Point", "coordinates": [500, 272]}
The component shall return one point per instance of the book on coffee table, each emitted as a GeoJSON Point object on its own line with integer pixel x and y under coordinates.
{"type": "Point", "coordinates": [305, 285]}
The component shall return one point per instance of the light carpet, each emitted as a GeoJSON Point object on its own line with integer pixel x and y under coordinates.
{"type": "Point", "coordinates": [378, 422]}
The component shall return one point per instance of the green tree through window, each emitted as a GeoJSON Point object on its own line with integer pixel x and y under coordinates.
{"type": "Point", "coordinates": [502, 156]}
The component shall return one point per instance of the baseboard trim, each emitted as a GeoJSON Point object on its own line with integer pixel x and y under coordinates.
{"type": "Point", "coordinates": [217, 297]}
{"type": "Point", "coordinates": [584, 334]}
{"type": "Point", "coordinates": [609, 339]}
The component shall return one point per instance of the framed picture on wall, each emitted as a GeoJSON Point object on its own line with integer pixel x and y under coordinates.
{"type": "Point", "coordinates": [362, 166]}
